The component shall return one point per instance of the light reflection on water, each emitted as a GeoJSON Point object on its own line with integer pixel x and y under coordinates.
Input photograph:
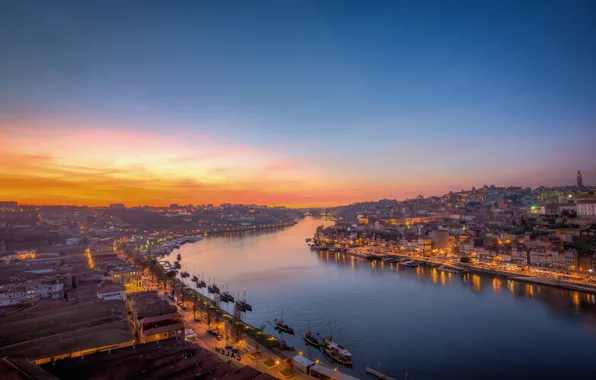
{"type": "Point", "coordinates": [409, 319]}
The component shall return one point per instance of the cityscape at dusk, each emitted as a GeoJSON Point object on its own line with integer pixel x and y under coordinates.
{"type": "Point", "coordinates": [301, 104]}
{"type": "Point", "coordinates": [311, 189]}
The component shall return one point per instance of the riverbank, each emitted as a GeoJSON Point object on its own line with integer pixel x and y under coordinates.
{"type": "Point", "coordinates": [529, 278]}
{"type": "Point", "coordinates": [258, 348]}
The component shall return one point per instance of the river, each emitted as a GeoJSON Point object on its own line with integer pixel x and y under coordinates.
{"type": "Point", "coordinates": [418, 321]}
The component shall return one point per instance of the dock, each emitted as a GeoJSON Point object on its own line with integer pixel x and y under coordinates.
{"type": "Point", "coordinates": [378, 374]}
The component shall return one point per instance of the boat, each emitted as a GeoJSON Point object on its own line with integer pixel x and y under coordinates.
{"type": "Point", "coordinates": [409, 264]}
{"type": "Point", "coordinates": [310, 338]}
{"type": "Point", "coordinates": [179, 257]}
{"type": "Point", "coordinates": [335, 351]}
{"type": "Point", "coordinates": [308, 240]}
{"type": "Point", "coordinates": [447, 269]}
{"type": "Point", "coordinates": [176, 265]}
{"type": "Point", "coordinates": [201, 283]}
{"type": "Point", "coordinates": [225, 296]}
{"type": "Point", "coordinates": [185, 274]}
{"type": "Point", "coordinates": [372, 257]}
{"type": "Point", "coordinates": [195, 278]}
{"type": "Point", "coordinates": [390, 259]}
{"type": "Point", "coordinates": [213, 288]}
{"type": "Point", "coordinates": [337, 356]}
{"type": "Point", "coordinates": [280, 325]}
{"type": "Point", "coordinates": [243, 305]}
{"type": "Point", "coordinates": [318, 248]}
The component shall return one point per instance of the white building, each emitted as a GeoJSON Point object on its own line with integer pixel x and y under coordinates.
{"type": "Point", "coordinates": [586, 208]}
{"type": "Point", "coordinates": [18, 294]}
{"type": "Point", "coordinates": [53, 289]}
{"type": "Point", "coordinates": [111, 292]}
{"type": "Point", "coordinates": [556, 209]}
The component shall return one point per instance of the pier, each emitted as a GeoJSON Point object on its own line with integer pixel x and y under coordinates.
{"type": "Point", "coordinates": [377, 374]}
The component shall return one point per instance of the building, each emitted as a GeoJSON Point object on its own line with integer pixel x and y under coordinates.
{"type": "Point", "coordinates": [586, 209]}
{"type": "Point", "coordinates": [580, 180]}
{"type": "Point", "coordinates": [424, 244]}
{"type": "Point", "coordinates": [154, 318]}
{"type": "Point", "coordinates": [129, 276]}
{"type": "Point", "coordinates": [52, 288]}
{"type": "Point", "coordinates": [58, 329]}
{"type": "Point", "coordinates": [117, 206]}
{"type": "Point", "coordinates": [170, 359]}
{"type": "Point", "coordinates": [440, 240]}
{"type": "Point", "coordinates": [557, 209]}
{"type": "Point", "coordinates": [8, 205]}
{"type": "Point", "coordinates": [111, 292]}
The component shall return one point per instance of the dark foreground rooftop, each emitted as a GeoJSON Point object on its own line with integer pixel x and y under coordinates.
{"type": "Point", "coordinates": [55, 327]}
{"type": "Point", "coordinates": [166, 359]}
{"type": "Point", "coordinates": [22, 369]}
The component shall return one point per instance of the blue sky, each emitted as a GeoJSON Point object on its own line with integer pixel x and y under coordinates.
{"type": "Point", "coordinates": [361, 89]}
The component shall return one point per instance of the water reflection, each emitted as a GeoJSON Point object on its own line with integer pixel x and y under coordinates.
{"type": "Point", "coordinates": [558, 299]}
{"type": "Point", "coordinates": [380, 311]}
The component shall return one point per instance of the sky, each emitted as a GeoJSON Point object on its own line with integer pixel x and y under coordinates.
{"type": "Point", "coordinates": [298, 103]}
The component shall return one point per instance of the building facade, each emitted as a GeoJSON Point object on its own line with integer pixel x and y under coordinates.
{"type": "Point", "coordinates": [586, 208]}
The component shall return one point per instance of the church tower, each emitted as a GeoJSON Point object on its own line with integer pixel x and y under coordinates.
{"type": "Point", "coordinates": [580, 180]}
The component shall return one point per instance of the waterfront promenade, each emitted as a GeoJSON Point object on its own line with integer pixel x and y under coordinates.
{"type": "Point", "coordinates": [209, 317]}
{"type": "Point", "coordinates": [534, 275]}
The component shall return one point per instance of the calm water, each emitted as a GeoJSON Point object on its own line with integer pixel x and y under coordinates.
{"type": "Point", "coordinates": [413, 320]}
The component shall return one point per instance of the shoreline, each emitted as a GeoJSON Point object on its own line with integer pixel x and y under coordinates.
{"type": "Point", "coordinates": [532, 279]}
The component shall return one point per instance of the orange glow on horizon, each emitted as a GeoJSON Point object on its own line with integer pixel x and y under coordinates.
{"type": "Point", "coordinates": [50, 164]}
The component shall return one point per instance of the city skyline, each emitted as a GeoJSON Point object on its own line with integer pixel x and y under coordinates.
{"type": "Point", "coordinates": [303, 104]}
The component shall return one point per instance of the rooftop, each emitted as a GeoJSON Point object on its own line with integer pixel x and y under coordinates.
{"type": "Point", "coordinates": [112, 288]}
{"type": "Point", "coordinates": [22, 369]}
{"type": "Point", "coordinates": [171, 358]}
{"type": "Point", "coordinates": [54, 327]}
{"type": "Point", "coordinates": [148, 304]}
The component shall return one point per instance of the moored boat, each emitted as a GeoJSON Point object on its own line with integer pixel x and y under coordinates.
{"type": "Point", "coordinates": [226, 297]}
{"type": "Point", "coordinates": [335, 351]}
{"type": "Point", "coordinates": [242, 305]}
{"type": "Point", "coordinates": [281, 325]}
{"type": "Point", "coordinates": [310, 338]}
{"type": "Point", "coordinates": [409, 263]}
{"type": "Point", "coordinates": [447, 269]}
{"type": "Point", "coordinates": [336, 355]}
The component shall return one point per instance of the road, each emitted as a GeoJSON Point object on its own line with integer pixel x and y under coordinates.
{"type": "Point", "coordinates": [245, 347]}
{"type": "Point", "coordinates": [574, 278]}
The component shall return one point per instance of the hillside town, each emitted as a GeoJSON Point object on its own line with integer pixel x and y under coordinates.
{"type": "Point", "coordinates": [548, 229]}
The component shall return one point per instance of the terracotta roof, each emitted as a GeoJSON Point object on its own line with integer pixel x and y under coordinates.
{"type": "Point", "coordinates": [110, 289]}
